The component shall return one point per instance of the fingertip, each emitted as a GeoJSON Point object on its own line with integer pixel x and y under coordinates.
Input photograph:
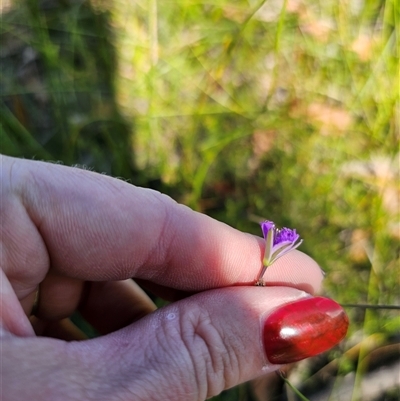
{"type": "Point", "coordinates": [296, 269]}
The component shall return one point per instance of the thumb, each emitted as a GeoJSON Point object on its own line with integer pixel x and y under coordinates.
{"type": "Point", "coordinates": [196, 348]}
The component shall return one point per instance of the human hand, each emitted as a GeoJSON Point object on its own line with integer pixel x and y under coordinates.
{"type": "Point", "coordinates": [81, 236]}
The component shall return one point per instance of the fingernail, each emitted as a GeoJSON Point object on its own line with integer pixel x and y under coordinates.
{"type": "Point", "coordinates": [303, 328]}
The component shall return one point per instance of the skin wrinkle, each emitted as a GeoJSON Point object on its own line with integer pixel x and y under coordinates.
{"type": "Point", "coordinates": [231, 363]}
{"type": "Point", "coordinates": [164, 353]}
{"type": "Point", "coordinates": [201, 329]}
{"type": "Point", "coordinates": [169, 356]}
{"type": "Point", "coordinates": [27, 267]}
{"type": "Point", "coordinates": [231, 366]}
{"type": "Point", "coordinates": [176, 243]}
{"type": "Point", "coordinates": [215, 351]}
{"type": "Point", "coordinates": [208, 333]}
{"type": "Point", "coordinates": [159, 254]}
{"type": "Point", "coordinates": [24, 189]}
{"type": "Point", "coordinates": [188, 334]}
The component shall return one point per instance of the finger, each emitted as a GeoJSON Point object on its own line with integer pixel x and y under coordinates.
{"type": "Point", "coordinates": [58, 297]}
{"type": "Point", "coordinates": [116, 304]}
{"type": "Point", "coordinates": [190, 350]}
{"type": "Point", "coordinates": [12, 316]}
{"type": "Point", "coordinates": [161, 291]}
{"type": "Point", "coordinates": [62, 329]}
{"type": "Point", "coordinates": [295, 270]}
{"type": "Point", "coordinates": [112, 305]}
{"type": "Point", "coordinates": [107, 306]}
{"type": "Point", "coordinates": [197, 347]}
{"type": "Point", "coordinates": [43, 369]}
{"type": "Point", "coordinates": [99, 228]}
{"type": "Point", "coordinates": [25, 260]}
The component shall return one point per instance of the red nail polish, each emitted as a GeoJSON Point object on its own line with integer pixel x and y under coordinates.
{"type": "Point", "coordinates": [303, 328]}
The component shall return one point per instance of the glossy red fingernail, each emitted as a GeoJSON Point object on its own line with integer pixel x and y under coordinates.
{"type": "Point", "coordinates": [303, 328]}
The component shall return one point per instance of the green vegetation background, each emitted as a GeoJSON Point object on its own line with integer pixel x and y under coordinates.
{"type": "Point", "coordinates": [244, 110]}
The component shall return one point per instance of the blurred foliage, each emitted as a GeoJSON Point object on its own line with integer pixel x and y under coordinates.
{"type": "Point", "coordinates": [243, 110]}
{"type": "Point", "coordinates": [58, 98]}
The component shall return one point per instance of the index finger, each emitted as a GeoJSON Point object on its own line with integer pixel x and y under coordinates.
{"type": "Point", "coordinates": [100, 228]}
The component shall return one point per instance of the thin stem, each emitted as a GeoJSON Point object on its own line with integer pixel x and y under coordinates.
{"type": "Point", "coordinates": [294, 389]}
{"type": "Point", "coordinates": [262, 272]}
{"type": "Point", "coordinates": [370, 306]}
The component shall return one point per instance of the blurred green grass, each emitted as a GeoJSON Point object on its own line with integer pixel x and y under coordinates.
{"type": "Point", "coordinates": [246, 110]}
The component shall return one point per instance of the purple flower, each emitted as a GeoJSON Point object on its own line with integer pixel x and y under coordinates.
{"type": "Point", "coordinates": [278, 242]}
